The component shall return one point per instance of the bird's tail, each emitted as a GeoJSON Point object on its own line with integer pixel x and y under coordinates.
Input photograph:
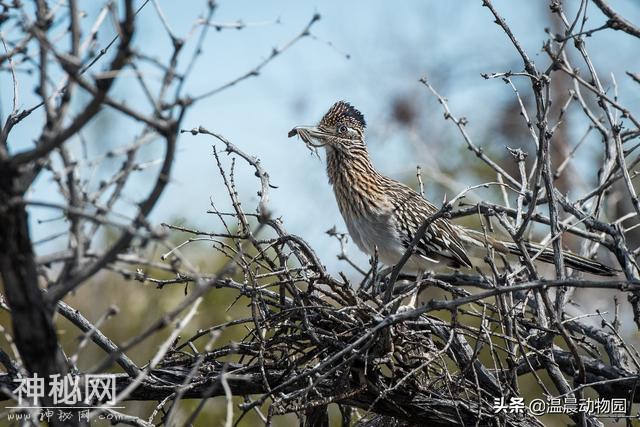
{"type": "Point", "coordinates": [542, 253]}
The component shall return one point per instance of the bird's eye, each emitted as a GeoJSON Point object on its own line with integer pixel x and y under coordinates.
{"type": "Point", "coordinates": [342, 129]}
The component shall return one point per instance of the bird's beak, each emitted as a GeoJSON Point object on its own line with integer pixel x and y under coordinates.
{"type": "Point", "coordinates": [311, 135]}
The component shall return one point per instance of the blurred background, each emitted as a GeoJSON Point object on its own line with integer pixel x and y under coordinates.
{"type": "Point", "coordinates": [370, 53]}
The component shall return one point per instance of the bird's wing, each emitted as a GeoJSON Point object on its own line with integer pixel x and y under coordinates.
{"type": "Point", "coordinates": [441, 238]}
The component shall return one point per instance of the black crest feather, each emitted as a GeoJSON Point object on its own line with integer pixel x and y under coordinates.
{"type": "Point", "coordinates": [341, 111]}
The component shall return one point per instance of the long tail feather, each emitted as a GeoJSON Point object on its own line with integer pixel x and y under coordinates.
{"type": "Point", "coordinates": [572, 260]}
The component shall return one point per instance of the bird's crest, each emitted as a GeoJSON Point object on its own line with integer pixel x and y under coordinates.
{"type": "Point", "coordinates": [341, 112]}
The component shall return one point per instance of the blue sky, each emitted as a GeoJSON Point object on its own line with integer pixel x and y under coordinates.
{"type": "Point", "coordinates": [390, 46]}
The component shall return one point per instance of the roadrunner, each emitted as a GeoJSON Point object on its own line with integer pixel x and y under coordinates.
{"type": "Point", "coordinates": [384, 215]}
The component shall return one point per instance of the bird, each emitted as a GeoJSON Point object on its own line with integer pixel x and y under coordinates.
{"type": "Point", "coordinates": [383, 215]}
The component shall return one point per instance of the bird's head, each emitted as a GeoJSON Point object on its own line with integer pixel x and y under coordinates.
{"type": "Point", "coordinates": [341, 128]}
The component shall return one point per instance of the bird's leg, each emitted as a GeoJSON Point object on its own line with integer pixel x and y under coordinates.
{"type": "Point", "coordinates": [414, 295]}
{"type": "Point", "coordinates": [412, 301]}
{"type": "Point", "coordinates": [413, 298]}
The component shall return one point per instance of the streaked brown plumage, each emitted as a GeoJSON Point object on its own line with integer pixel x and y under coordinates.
{"type": "Point", "coordinates": [383, 214]}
